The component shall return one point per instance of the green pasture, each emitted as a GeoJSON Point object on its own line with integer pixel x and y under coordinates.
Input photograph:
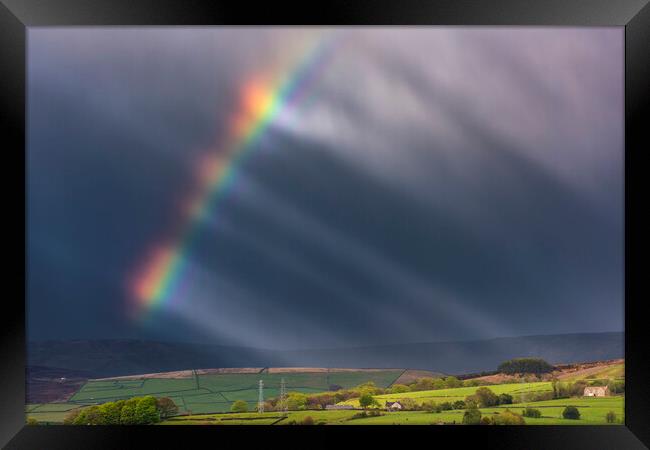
{"type": "Point", "coordinates": [612, 372]}
{"type": "Point", "coordinates": [50, 412]}
{"type": "Point", "coordinates": [519, 391]}
{"type": "Point", "coordinates": [592, 411]}
{"type": "Point", "coordinates": [213, 393]}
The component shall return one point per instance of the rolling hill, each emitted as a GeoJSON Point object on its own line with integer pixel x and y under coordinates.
{"type": "Point", "coordinates": [107, 358]}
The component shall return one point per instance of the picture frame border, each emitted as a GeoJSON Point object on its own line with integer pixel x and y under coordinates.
{"type": "Point", "coordinates": [17, 16]}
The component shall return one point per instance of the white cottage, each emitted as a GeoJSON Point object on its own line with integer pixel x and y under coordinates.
{"type": "Point", "coordinates": [596, 391]}
{"type": "Point", "coordinates": [394, 406]}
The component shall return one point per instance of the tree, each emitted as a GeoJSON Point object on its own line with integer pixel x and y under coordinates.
{"type": "Point", "coordinates": [399, 389]}
{"type": "Point", "coordinates": [89, 416]}
{"type": "Point", "coordinates": [532, 412]}
{"type": "Point", "coordinates": [296, 401]}
{"type": "Point", "coordinates": [427, 384]}
{"type": "Point", "coordinates": [453, 382]}
{"type": "Point", "coordinates": [146, 412]}
{"type": "Point", "coordinates": [486, 397]}
{"type": "Point", "coordinates": [239, 406]}
{"type": "Point", "coordinates": [571, 412]}
{"type": "Point", "coordinates": [110, 413]}
{"type": "Point", "coordinates": [368, 387]}
{"type": "Point", "coordinates": [472, 416]}
{"type": "Point", "coordinates": [610, 417]}
{"type": "Point", "coordinates": [367, 400]}
{"type": "Point", "coordinates": [127, 415]}
{"type": "Point", "coordinates": [166, 407]}
{"type": "Point", "coordinates": [525, 365]}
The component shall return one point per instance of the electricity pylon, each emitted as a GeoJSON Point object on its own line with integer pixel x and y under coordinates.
{"type": "Point", "coordinates": [283, 397]}
{"type": "Point", "coordinates": [260, 398]}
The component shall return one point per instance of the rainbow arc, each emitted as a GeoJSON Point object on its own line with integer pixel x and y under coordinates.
{"type": "Point", "coordinates": [261, 103]}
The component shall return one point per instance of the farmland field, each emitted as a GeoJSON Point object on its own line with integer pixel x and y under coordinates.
{"type": "Point", "coordinates": [50, 412]}
{"type": "Point", "coordinates": [517, 390]}
{"type": "Point", "coordinates": [212, 393]}
{"type": "Point", "coordinates": [592, 410]}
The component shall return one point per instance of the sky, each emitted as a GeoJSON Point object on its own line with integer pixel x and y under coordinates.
{"type": "Point", "coordinates": [319, 187]}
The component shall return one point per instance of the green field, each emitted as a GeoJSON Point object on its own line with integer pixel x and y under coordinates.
{"type": "Point", "coordinates": [592, 410]}
{"type": "Point", "coordinates": [614, 371]}
{"type": "Point", "coordinates": [50, 412]}
{"type": "Point", "coordinates": [205, 399]}
{"type": "Point", "coordinates": [517, 390]}
{"type": "Point", "coordinates": [213, 393]}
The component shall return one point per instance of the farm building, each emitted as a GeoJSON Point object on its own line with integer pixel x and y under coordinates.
{"type": "Point", "coordinates": [596, 391]}
{"type": "Point", "coordinates": [393, 406]}
{"type": "Point", "coordinates": [339, 407]}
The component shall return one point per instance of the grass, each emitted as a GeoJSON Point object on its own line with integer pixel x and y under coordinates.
{"type": "Point", "coordinates": [50, 412]}
{"type": "Point", "coordinates": [592, 411]}
{"type": "Point", "coordinates": [517, 390]}
{"type": "Point", "coordinates": [614, 371]}
{"type": "Point", "coordinates": [213, 393]}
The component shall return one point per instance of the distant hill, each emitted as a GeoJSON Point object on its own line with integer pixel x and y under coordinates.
{"type": "Point", "coordinates": [105, 358]}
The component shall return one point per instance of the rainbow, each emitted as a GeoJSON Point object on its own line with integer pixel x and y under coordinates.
{"type": "Point", "coordinates": [261, 103]}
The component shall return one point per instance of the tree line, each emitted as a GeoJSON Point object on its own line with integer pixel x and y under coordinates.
{"type": "Point", "coordinates": [134, 411]}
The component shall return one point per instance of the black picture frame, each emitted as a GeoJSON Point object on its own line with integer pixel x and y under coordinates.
{"type": "Point", "coordinates": [17, 15]}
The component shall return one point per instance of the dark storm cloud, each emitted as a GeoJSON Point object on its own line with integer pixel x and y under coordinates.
{"type": "Point", "coordinates": [442, 183]}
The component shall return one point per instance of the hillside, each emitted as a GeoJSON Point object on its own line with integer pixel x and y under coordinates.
{"type": "Point", "coordinates": [106, 358]}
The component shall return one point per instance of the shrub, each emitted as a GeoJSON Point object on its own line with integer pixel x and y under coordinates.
{"type": "Point", "coordinates": [507, 417]}
{"type": "Point", "coordinates": [616, 386]}
{"type": "Point", "coordinates": [239, 406]}
{"type": "Point", "coordinates": [505, 399]}
{"type": "Point", "coordinates": [446, 406]}
{"type": "Point", "coordinates": [308, 420]}
{"type": "Point", "coordinates": [32, 421]}
{"type": "Point", "coordinates": [429, 406]}
{"type": "Point", "coordinates": [610, 417]}
{"type": "Point", "coordinates": [472, 416]}
{"type": "Point", "coordinates": [408, 404]}
{"type": "Point", "coordinates": [71, 416]}
{"type": "Point", "coordinates": [485, 420]}
{"type": "Point", "coordinates": [525, 365]}
{"type": "Point", "coordinates": [459, 404]}
{"type": "Point", "coordinates": [532, 412]}
{"type": "Point", "coordinates": [571, 412]}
